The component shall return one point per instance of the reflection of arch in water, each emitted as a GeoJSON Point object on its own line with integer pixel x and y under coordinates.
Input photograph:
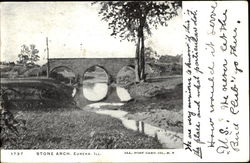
{"type": "Point", "coordinates": [95, 91]}
{"type": "Point", "coordinates": [63, 74]}
{"type": "Point", "coordinates": [95, 83]}
{"type": "Point", "coordinates": [93, 75]}
{"type": "Point", "coordinates": [126, 75]}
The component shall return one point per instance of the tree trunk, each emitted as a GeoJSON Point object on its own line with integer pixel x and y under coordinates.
{"type": "Point", "coordinates": [137, 61]}
{"type": "Point", "coordinates": [141, 48]}
{"type": "Point", "coordinates": [142, 77]}
{"type": "Point", "coordinates": [139, 55]}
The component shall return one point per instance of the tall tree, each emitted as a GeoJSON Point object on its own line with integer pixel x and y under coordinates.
{"type": "Point", "coordinates": [133, 21]}
{"type": "Point", "coordinates": [28, 55]}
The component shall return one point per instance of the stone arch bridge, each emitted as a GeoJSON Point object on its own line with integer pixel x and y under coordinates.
{"type": "Point", "coordinates": [80, 65]}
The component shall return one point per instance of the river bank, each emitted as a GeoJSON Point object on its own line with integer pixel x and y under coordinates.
{"type": "Point", "coordinates": [68, 128]}
{"type": "Point", "coordinates": [169, 139]}
{"type": "Point", "coordinates": [155, 110]}
{"type": "Point", "coordinates": [157, 103]}
{"type": "Point", "coordinates": [60, 126]}
{"type": "Point", "coordinates": [35, 116]}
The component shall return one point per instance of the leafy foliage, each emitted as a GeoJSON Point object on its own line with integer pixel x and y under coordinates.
{"type": "Point", "coordinates": [130, 19]}
{"type": "Point", "coordinates": [11, 125]}
{"type": "Point", "coordinates": [150, 55]}
{"type": "Point", "coordinates": [133, 21]}
{"type": "Point", "coordinates": [28, 55]}
{"type": "Point", "coordinates": [170, 59]}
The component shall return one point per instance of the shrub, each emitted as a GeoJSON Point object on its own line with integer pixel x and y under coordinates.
{"type": "Point", "coordinates": [10, 126]}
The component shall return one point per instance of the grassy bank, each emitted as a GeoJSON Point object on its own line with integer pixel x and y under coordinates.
{"type": "Point", "coordinates": [157, 103]}
{"type": "Point", "coordinates": [73, 129]}
{"type": "Point", "coordinates": [51, 121]}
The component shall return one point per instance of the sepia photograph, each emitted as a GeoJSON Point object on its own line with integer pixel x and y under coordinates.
{"type": "Point", "coordinates": [91, 75]}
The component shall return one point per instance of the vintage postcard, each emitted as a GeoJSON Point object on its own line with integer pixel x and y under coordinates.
{"type": "Point", "coordinates": [124, 81]}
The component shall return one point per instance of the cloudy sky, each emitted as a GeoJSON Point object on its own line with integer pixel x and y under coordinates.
{"type": "Point", "coordinates": [70, 24]}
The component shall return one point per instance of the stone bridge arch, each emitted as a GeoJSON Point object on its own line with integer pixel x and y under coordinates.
{"type": "Point", "coordinates": [126, 75]}
{"type": "Point", "coordinates": [79, 65]}
{"type": "Point", "coordinates": [103, 68]}
{"type": "Point", "coordinates": [58, 67]}
{"type": "Point", "coordinates": [64, 74]}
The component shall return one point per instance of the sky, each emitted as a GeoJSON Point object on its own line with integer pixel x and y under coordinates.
{"type": "Point", "coordinates": [74, 30]}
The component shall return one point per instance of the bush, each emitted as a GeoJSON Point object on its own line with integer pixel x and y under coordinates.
{"type": "Point", "coordinates": [32, 72]}
{"type": "Point", "coordinates": [10, 126]}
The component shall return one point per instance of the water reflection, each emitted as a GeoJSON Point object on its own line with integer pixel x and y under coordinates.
{"type": "Point", "coordinates": [98, 91]}
{"type": "Point", "coordinates": [123, 94]}
{"type": "Point", "coordinates": [140, 126]}
{"type": "Point", "coordinates": [168, 139]}
{"type": "Point", "coordinates": [74, 92]}
{"type": "Point", "coordinates": [95, 84]}
{"type": "Point", "coordinates": [95, 91]}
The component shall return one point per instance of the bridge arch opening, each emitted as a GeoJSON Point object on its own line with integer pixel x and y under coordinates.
{"type": "Point", "coordinates": [96, 73]}
{"type": "Point", "coordinates": [95, 83]}
{"type": "Point", "coordinates": [125, 77]}
{"type": "Point", "coordinates": [64, 75]}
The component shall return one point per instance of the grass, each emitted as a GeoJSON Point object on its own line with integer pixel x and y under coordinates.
{"type": "Point", "coordinates": [157, 103]}
{"type": "Point", "coordinates": [67, 128]}
{"type": "Point", "coordinates": [75, 129]}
